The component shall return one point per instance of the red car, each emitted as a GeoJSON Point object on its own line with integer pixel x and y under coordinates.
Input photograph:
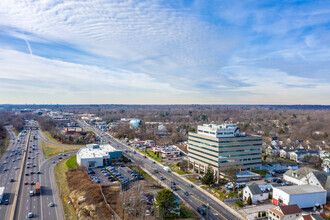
{"type": "Point", "coordinates": [32, 183]}
{"type": "Point", "coordinates": [25, 183]}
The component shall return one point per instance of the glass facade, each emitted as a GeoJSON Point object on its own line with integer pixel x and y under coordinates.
{"type": "Point", "coordinates": [214, 151]}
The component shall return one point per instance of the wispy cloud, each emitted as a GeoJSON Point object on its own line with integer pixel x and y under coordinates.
{"type": "Point", "coordinates": [196, 52]}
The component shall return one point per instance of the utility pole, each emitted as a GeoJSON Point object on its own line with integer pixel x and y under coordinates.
{"type": "Point", "coordinates": [207, 211]}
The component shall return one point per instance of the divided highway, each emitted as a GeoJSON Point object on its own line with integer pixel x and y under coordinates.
{"type": "Point", "coordinates": [24, 155]}
{"type": "Point", "coordinates": [196, 197]}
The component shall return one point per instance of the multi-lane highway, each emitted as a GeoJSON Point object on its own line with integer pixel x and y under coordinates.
{"type": "Point", "coordinates": [196, 197]}
{"type": "Point", "coordinates": [24, 162]}
{"type": "Point", "coordinates": [38, 170]}
{"type": "Point", "coordinates": [8, 162]}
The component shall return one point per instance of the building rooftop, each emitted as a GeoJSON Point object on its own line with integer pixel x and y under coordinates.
{"type": "Point", "coordinates": [255, 189]}
{"type": "Point", "coordinates": [290, 209]}
{"type": "Point", "coordinates": [300, 189]}
{"type": "Point", "coordinates": [219, 131]}
{"type": "Point", "coordinates": [95, 150]}
{"type": "Point", "coordinates": [300, 173]}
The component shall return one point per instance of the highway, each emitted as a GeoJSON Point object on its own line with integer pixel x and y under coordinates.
{"type": "Point", "coordinates": [24, 154]}
{"type": "Point", "coordinates": [196, 197]}
{"type": "Point", "coordinates": [10, 173]}
{"type": "Point", "coordinates": [38, 204]}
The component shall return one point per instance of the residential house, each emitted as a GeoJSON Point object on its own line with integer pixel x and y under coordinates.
{"type": "Point", "coordinates": [299, 154]}
{"type": "Point", "coordinates": [285, 153]}
{"type": "Point", "coordinates": [288, 212]}
{"type": "Point", "coordinates": [273, 150]}
{"type": "Point", "coordinates": [257, 195]}
{"type": "Point", "coordinates": [309, 176]}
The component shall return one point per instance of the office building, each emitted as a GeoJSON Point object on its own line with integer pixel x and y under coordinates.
{"type": "Point", "coordinates": [221, 146]}
{"type": "Point", "coordinates": [94, 155]}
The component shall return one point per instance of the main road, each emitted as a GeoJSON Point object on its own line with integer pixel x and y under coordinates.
{"type": "Point", "coordinates": [37, 169]}
{"type": "Point", "coordinates": [8, 162]}
{"type": "Point", "coordinates": [196, 197]}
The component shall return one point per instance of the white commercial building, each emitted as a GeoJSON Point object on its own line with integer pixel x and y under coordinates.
{"type": "Point", "coordinates": [94, 155]}
{"type": "Point", "coordinates": [305, 196]}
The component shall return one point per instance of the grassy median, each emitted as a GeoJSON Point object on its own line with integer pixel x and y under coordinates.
{"type": "Point", "coordinates": [51, 150]}
{"type": "Point", "coordinates": [64, 191]}
{"type": "Point", "coordinates": [50, 137]}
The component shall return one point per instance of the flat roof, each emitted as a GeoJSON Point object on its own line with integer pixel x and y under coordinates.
{"type": "Point", "coordinates": [300, 189]}
{"type": "Point", "coordinates": [101, 151]}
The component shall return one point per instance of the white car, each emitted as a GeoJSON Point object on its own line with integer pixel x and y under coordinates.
{"type": "Point", "coordinates": [30, 215]}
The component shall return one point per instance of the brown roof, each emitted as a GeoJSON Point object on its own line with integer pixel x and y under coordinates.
{"type": "Point", "coordinates": [276, 212]}
{"type": "Point", "coordinates": [290, 209]}
{"type": "Point", "coordinates": [307, 217]}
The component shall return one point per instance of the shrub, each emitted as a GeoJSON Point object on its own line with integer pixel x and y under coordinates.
{"type": "Point", "coordinates": [239, 203]}
{"type": "Point", "coordinates": [249, 201]}
{"type": "Point", "coordinates": [270, 196]}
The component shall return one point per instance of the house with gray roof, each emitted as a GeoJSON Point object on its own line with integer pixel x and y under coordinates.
{"type": "Point", "coordinates": [306, 175]}
{"type": "Point", "coordinates": [257, 195]}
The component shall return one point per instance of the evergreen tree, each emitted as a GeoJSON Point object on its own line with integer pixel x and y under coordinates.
{"type": "Point", "coordinates": [249, 201]}
{"type": "Point", "coordinates": [165, 204]}
{"type": "Point", "coordinates": [208, 178]}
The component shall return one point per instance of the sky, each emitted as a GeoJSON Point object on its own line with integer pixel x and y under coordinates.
{"type": "Point", "coordinates": [164, 52]}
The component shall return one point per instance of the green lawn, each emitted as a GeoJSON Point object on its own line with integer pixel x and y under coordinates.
{"type": "Point", "coordinates": [230, 195]}
{"type": "Point", "coordinates": [185, 212]}
{"type": "Point", "coordinates": [71, 162]}
{"type": "Point", "coordinates": [176, 168]}
{"type": "Point", "coordinates": [191, 179]}
{"type": "Point", "coordinates": [152, 155]}
{"type": "Point", "coordinates": [15, 131]}
{"type": "Point", "coordinates": [50, 137]}
{"type": "Point", "coordinates": [64, 191]}
{"type": "Point", "coordinates": [143, 174]}
{"type": "Point", "coordinates": [52, 150]}
{"type": "Point", "coordinates": [261, 172]}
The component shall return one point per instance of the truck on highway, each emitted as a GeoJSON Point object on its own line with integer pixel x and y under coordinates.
{"type": "Point", "coordinates": [2, 193]}
{"type": "Point", "coordinates": [38, 188]}
{"type": "Point", "coordinates": [167, 169]}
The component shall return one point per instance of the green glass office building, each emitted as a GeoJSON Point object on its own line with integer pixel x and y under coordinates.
{"type": "Point", "coordinates": [221, 146]}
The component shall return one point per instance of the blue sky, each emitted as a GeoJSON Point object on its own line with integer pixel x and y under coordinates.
{"type": "Point", "coordinates": [164, 52]}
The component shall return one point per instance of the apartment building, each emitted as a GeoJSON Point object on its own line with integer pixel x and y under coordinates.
{"type": "Point", "coordinates": [221, 146]}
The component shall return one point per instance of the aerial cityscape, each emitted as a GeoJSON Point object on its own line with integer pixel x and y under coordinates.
{"type": "Point", "coordinates": [140, 109]}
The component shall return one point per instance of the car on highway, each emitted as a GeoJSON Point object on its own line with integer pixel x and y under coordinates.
{"type": "Point", "coordinates": [201, 211]}
{"type": "Point", "coordinates": [31, 172]}
{"type": "Point", "coordinates": [30, 215]}
{"type": "Point", "coordinates": [191, 185]}
{"type": "Point", "coordinates": [6, 202]}
{"type": "Point", "coordinates": [16, 168]}
{"type": "Point", "coordinates": [27, 174]}
{"type": "Point", "coordinates": [174, 188]}
{"type": "Point", "coordinates": [25, 183]}
{"type": "Point", "coordinates": [13, 160]}
{"type": "Point", "coordinates": [32, 183]}
{"type": "Point", "coordinates": [186, 193]}
{"type": "Point", "coordinates": [162, 178]}
{"type": "Point", "coordinates": [5, 169]}
{"type": "Point", "coordinates": [38, 172]}
{"type": "Point", "coordinates": [11, 180]}
{"type": "Point", "coordinates": [4, 162]}
{"type": "Point", "coordinates": [51, 204]}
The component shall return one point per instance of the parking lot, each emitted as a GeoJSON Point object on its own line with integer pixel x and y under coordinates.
{"type": "Point", "coordinates": [103, 176]}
